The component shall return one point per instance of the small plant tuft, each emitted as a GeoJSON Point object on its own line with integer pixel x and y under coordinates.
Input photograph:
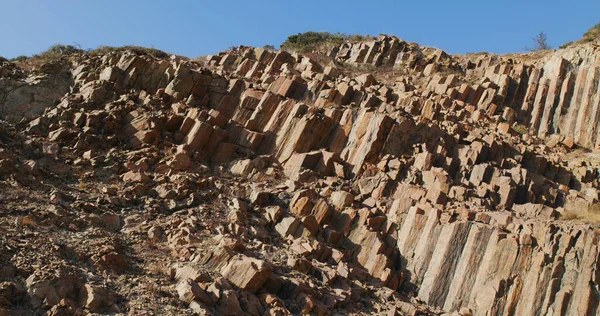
{"type": "Point", "coordinates": [565, 45]}
{"type": "Point", "coordinates": [521, 129]}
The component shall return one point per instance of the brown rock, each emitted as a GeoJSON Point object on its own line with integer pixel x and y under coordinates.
{"type": "Point", "coordinates": [190, 291]}
{"type": "Point", "coordinates": [322, 212]}
{"type": "Point", "coordinates": [95, 298]}
{"type": "Point", "coordinates": [59, 134]}
{"type": "Point", "coordinates": [192, 272]}
{"type": "Point", "coordinates": [341, 199]}
{"type": "Point", "coordinates": [180, 161]}
{"type": "Point", "coordinates": [302, 206]}
{"type": "Point", "coordinates": [198, 136]}
{"type": "Point", "coordinates": [135, 176]}
{"type": "Point", "coordinates": [247, 273]}
{"type": "Point", "coordinates": [259, 198]}
{"type": "Point", "coordinates": [288, 226]}
{"type": "Point", "coordinates": [366, 80]}
{"type": "Point", "coordinates": [11, 294]}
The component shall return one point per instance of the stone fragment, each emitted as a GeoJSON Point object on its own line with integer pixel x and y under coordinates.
{"type": "Point", "coordinates": [96, 299]}
{"type": "Point", "coordinates": [288, 226]}
{"type": "Point", "coordinates": [247, 273]}
{"type": "Point", "coordinates": [341, 199]}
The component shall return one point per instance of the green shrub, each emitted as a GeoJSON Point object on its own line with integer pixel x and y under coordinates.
{"type": "Point", "coordinates": [136, 49]}
{"type": "Point", "coordinates": [271, 47]}
{"type": "Point", "coordinates": [309, 41]}
{"type": "Point", "coordinates": [521, 129]}
{"type": "Point", "coordinates": [358, 38]}
{"type": "Point", "coordinates": [592, 34]}
{"type": "Point", "coordinates": [565, 45]}
{"type": "Point", "coordinates": [478, 53]}
{"type": "Point", "coordinates": [21, 58]}
{"type": "Point", "coordinates": [58, 50]}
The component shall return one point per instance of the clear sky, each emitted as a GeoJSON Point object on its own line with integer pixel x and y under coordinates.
{"type": "Point", "coordinates": [194, 28]}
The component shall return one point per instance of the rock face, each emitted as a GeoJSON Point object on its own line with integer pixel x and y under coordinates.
{"type": "Point", "coordinates": [262, 182]}
{"type": "Point", "coordinates": [28, 97]}
{"type": "Point", "coordinates": [554, 94]}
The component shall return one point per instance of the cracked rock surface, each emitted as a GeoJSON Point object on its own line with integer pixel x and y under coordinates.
{"type": "Point", "coordinates": [378, 177]}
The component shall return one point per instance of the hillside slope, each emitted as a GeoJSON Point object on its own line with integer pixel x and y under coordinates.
{"type": "Point", "coordinates": [387, 178]}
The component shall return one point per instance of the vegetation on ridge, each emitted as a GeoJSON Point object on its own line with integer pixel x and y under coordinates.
{"type": "Point", "coordinates": [592, 34]}
{"type": "Point", "coordinates": [21, 58]}
{"type": "Point", "coordinates": [309, 41]}
{"type": "Point", "coordinates": [540, 43]}
{"type": "Point", "coordinates": [139, 50]}
{"type": "Point", "coordinates": [54, 52]}
{"type": "Point", "coordinates": [59, 50]}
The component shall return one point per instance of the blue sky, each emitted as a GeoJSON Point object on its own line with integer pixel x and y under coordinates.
{"type": "Point", "coordinates": [194, 28]}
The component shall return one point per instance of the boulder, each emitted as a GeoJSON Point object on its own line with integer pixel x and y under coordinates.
{"type": "Point", "coordinates": [341, 199]}
{"type": "Point", "coordinates": [95, 298]}
{"type": "Point", "coordinates": [247, 273]}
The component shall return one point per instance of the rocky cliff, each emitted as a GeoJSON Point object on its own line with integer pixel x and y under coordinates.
{"type": "Point", "coordinates": [376, 177]}
{"type": "Point", "coordinates": [552, 94]}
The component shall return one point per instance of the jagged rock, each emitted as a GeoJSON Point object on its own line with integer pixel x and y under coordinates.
{"type": "Point", "coordinates": [27, 99]}
{"type": "Point", "coordinates": [247, 273]}
{"type": "Point", "coordinates": [135, 176]}
{"type": "Point", "coordinates": [341, 199]}
{"type": "Point", "coordinates": [50, 289]}
{"type": "Point", "coordinates": [189, 292]}
{"type": "Point", "coordinates": [259, 198]}
{"type": "Point", "coordinates": [96, 299]}
{"type": "Point", "coordinates": [288, 226]}
{"type": "Point", "coordinates": [191, 272]}
{"type": "Point", "coordinates": [431, 181]}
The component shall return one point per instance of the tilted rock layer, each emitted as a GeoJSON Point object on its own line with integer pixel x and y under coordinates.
{"type": "Point", "coordinates": [387, 178]}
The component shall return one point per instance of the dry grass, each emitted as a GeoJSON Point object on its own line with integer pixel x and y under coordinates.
{"type": "Point", "coordinates": [528, 57]}
{"type": "Point", "coordinates": [580, 154]}
{"type": "Point", "coordinates": [384, 73]}
{"type": "Point", "coordinates": [322, 59]}
{"type": "Point", "coordinates": [591, 214]}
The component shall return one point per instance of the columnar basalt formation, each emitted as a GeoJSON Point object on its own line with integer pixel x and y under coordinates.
{"type": "Point", "coordinates": [553, 94]}
{"type": "Point", "coordinates": [264, 182]}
